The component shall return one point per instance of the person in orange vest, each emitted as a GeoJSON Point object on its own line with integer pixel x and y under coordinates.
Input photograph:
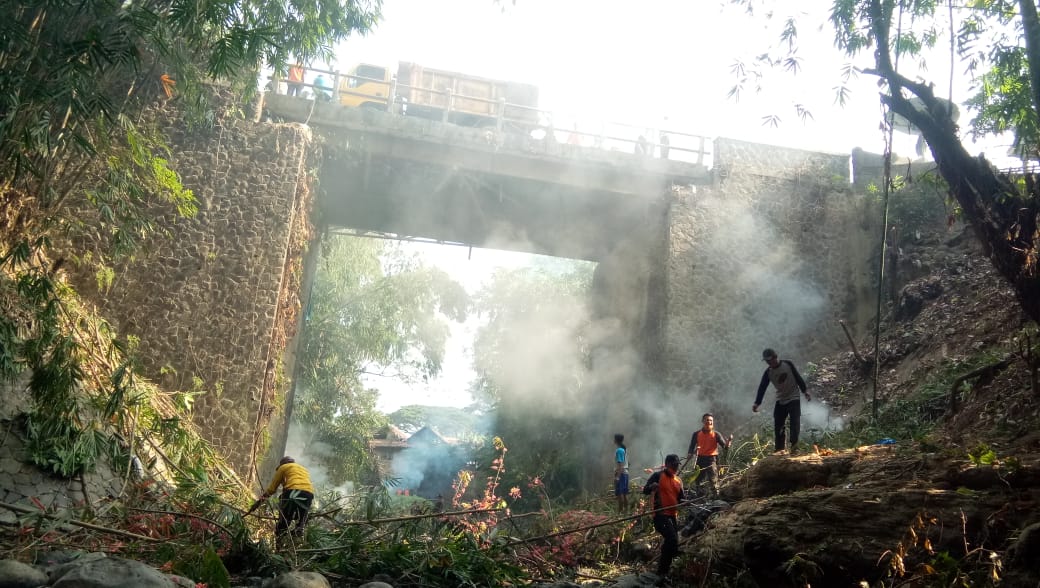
{"type": "Point", "coordinates": [295, 79]}
{"type": "Point", "coordinates": [705, 444]}
{"type": "Point", "coordinates": [667, 489]}
{"type": "Point", "coordinates": [297, 496]}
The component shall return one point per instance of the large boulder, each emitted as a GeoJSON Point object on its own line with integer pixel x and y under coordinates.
{"type": "Point", "coordinates": [113, 572]}
{"type": "Point", "coordinates": [15, 574]}
{"type": "Point", "coordinates": [298, 580]}
{"type": "Point", "coordinates": [58, 563]}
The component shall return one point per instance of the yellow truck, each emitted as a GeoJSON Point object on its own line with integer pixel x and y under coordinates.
{"type": "Point", "coordinates": [439, 94]}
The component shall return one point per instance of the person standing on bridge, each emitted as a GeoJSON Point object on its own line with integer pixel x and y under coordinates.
{"type": "Point", "coordinates": [666, 144]}
{"type": "Point", "coordinates": [322, 88]}
{"type": "Point", "coordinates": [642, 146]}
{"type": "Point", "coordinates": [787, 381]}
{"type": "Point", "coordinates": [295, 79]}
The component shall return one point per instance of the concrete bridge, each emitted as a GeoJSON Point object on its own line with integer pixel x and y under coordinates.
{"type": "Point", "coordinates": [697, 268]}
{"type": "Point", "coordinates": [485, 187]}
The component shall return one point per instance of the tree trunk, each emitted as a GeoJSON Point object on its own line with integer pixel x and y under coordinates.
{"type": "Point", "coordinates": [1004, 219]}
{"type": "Point", "coordinates": [1031, 28]}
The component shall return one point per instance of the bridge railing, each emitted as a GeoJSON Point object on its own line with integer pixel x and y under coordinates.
{"type": "Point", "coordinates": [508, 117]}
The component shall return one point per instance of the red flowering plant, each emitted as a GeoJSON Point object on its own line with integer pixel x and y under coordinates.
{"type": "Point", "coordinates": [538, 487]}
{"type": "Point", "coordinates": [579, 537]}
{"type": "Point", "coordinates": [482, 524]}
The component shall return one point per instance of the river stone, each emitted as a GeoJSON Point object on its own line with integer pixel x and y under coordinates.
{"type": "Point", "coordinates": [298, 580]}
{"type": "Point", "coordinates": [58, 563]}
{"type": "Point", "coordinates": [114, 572]}
{"type": "Point", "coordinates": [376, 585]}
{"type": "Point", "coordinates": [643, 580]}
{"type": "Point", "coordinates": [15, 574]}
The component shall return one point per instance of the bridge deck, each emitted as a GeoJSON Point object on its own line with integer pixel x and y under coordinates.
{"type": "Point", "coordinates": [490, 151]}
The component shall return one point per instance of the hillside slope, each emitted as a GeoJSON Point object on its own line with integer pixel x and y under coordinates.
{"type": "Point", "coordinates": [950, 496]}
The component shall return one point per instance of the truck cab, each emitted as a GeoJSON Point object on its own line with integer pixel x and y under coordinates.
{"type": "Point", "coordinates": [366, 85]}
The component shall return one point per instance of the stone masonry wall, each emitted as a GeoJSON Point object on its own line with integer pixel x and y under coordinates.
{"type": "Point", "coordinates": [217, 300]}
{"type": "Point", "coordinates": [25, 485]}
{"type": "Point", "coordinates": [772, 255]}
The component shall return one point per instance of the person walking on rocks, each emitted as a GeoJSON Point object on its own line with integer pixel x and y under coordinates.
{"type": "Point", "coordinates": [705, 444]}
{"type": "Point", "coordinates": [297, 496]}
{"type": "Point", "coordinates": [621, 473]}
{"type": "Point", "coordinates": [788, 382]}
{"type": "Point", "coordinates": [667, 490]}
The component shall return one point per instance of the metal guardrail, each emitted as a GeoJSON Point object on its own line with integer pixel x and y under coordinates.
{"type": "Point", "coordinates": [497, 112]}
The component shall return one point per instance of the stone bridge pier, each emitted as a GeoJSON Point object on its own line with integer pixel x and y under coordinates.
{"type": "Point", "coordinates": [216, 303]}
{"type": "Point", "coordinates": [773, 253]}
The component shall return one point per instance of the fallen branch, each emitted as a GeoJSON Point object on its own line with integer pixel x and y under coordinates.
{"type": "Point", "coordinates": [184, 514]}
{"type": "Point", "coordinates": [91, 526]}
{"type": "Point", "coordinates": [852, 343]}
{"type": "Point", "coordinates": [591, 577]}
{"type": "Point", "coordinates": [374, 522]}
{"type": "Point", "coordinates": [597, 525]}
{"type": "Point", "coordinates": [419, 517]}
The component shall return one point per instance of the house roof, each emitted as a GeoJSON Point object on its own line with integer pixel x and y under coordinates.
{"type": "Point", "coordinates": [427, 435]}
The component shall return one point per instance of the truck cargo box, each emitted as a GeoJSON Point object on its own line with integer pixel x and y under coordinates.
{"type": "Point", "coordinates": [474, 100]}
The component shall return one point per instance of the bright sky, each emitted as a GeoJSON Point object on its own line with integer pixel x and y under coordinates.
{"type": "Point", "coordinates": [661, 64]}
{"type": "Point", "coordinates": [665, 63]}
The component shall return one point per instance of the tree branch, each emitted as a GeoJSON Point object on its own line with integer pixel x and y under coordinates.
{"type": "Point", "coordinates": [92, 527]}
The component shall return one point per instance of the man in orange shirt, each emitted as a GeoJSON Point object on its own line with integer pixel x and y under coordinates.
{"type": "Point", "coordinates": [297, 496]}
{"type": "Point", "coordinates": [667, 489]}
{"type": "Point", "coordinates": [705, 445]}
{"type": "Point", "coordinates": [295, 79]}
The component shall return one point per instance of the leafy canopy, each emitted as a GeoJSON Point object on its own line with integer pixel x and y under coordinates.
{"type": "Point", "coordinates": [997, 42]}
{"type": "Point", "coordinates": [78, 74]}
{"type": "Point", "coordinates": [80, 160]}
{"type": "Point", "coordinates": [982, 39]}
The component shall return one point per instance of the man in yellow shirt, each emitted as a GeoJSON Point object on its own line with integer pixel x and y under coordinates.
{"type": "Point", "coordinates": [296, 499]}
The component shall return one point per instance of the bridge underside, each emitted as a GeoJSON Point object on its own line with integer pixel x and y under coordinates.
{"type": "Point", "coordinates": [482, 187]}
{"type": "Point", "coordinates": [402, 196]}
